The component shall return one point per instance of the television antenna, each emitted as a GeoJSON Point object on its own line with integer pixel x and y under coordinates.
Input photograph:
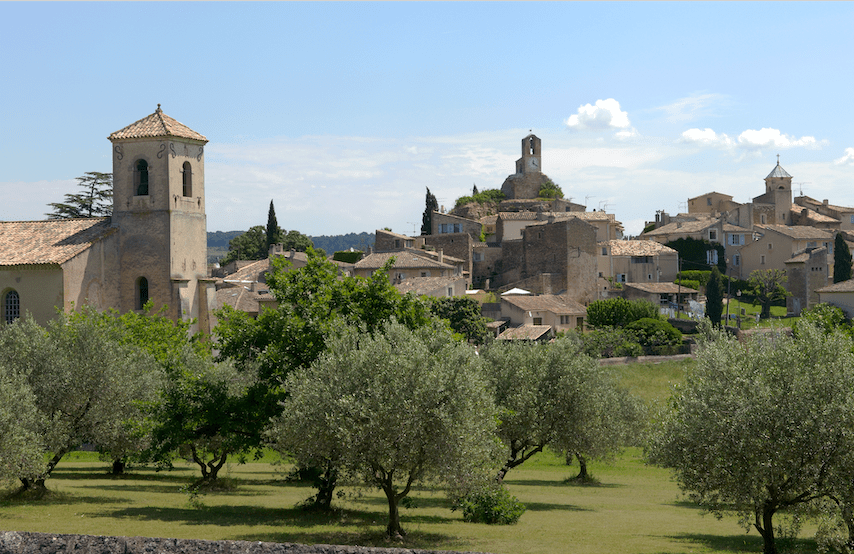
{"type": "Point", "coordinates": [587, 199]}
{"type": "Point", "coordinates": [801, 187]}
{"type": "Point", "coordinates": [414, 227]}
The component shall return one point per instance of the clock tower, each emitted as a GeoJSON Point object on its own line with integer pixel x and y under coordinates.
{"type": "Point", "coordinates": [531, 160]}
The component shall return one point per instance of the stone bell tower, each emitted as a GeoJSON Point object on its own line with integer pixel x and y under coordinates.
{"type": "Point", "coordinates": [778, 191]}
{"type": "Point", "coordinates": [159, 214]}
{"type": "Point", "coordinates": [529, 176]}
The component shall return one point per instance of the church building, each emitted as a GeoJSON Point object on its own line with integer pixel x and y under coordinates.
{"type": "Point", "coordinates": [154, 247]}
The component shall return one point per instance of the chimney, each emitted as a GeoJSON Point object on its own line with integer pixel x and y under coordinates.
{"type": "Point", "coordinates": [441, 255]}
{"type": "Point", "coordinates": [824, 202]}
{"type": "Point", "coordinates": [678, 224]}
{"type": "Point", "coordinates": [293, 252]}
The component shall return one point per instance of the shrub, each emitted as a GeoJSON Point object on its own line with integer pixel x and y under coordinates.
{"type": "Point", "coordinates": [617, 312]}
{"type": "Point", "coordinates": [347, 256]}
{"type": "Point", "coordinates": [655, 335]}
{"type": "Point", "coordinates": [688, 283]}
{"type": "Point", "coordinates": [610, 343]}
{"type": "Point", "coordinates": [491, 504]}
{"type": "Point", "coordinates": [695, 275]}
{"type": "Point", "coordinates": [483, 197]}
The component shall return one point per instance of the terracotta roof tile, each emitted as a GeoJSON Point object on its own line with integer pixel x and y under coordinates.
{"type": "Point", "coordinates": [638, 248]}
{"type": "Point", "coordinates": [813, 215]}
{"type": "Point", "coordinates": [525, 332]}
{"type": "Point", "coordinates": [802, 232]}
{"type": "Point", "coordinates": [843, 286]}
{"type": "Point", "coordinates": [402, 260]}
{"type": "Point", "coordinates": [53, 241]}
{"type": "Point", "coordinates": [556, 304]}
{"type": "Point", "coordinates": [425, 285]}
{"type": "Point", "coordinates": [661, 288]}
{"type": "Point", "coordinates": [157, 124]}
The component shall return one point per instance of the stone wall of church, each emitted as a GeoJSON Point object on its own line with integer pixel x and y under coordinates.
{"type": "Point", "coordinates": [39, 289]}
{"type": "Point", "coordinates": [90, 277]}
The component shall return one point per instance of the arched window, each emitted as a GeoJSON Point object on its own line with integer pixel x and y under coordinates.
{"type": "Point", "coordinates": [140, 178]}
{"type": "Point", "coordinates": [188, 179]}
{"type": "Point", "coordinates": [11, 306]}
{"type": "Point", "coordinates": [141, 292]}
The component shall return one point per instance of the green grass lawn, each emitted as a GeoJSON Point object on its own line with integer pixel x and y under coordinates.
{"type": "Point", "coordinates": [634, 509]}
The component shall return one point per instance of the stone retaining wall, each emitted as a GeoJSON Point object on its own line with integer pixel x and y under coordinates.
{"type": "Point", "coordinates": [12, 542]}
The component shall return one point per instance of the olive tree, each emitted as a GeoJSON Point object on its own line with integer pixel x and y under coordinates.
{"type": "Point", "coordinates": [761, 425]}
{"type": "Point", "coordinates": [86, 385]}
{"type": "Point", "coordinates": [392, 408]}
{"type": "Point", "coordinates": [21, 451]}
{"type": "Point", "coordinates": [554, 395]}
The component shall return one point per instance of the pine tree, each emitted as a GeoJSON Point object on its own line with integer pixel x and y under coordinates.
{"type": "Point", "coordinates": [714, 297]}
{"type": "Point", "coordinates": [273, 231]}
{"type": "Point", "coordinates": [841, 260]}
{"type": "Point", "coordinates": [474, 190]}
{"type": "Point", "coordinates": [96, 200]}
{"type": "Point", "coordinates": [427, 219]}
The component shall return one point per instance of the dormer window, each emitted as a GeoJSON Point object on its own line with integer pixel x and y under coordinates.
{"type": "Point", "coordinates": [187, 173]}
{"type": "Point", "coordinates": [140, 178]}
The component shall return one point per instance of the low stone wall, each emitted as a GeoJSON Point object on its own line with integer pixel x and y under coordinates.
{"type": "Point", "coordinates": [12, 542]}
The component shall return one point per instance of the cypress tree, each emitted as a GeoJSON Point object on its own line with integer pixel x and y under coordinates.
{"type": "Point", "coordinates": [272, 227]}
{"type": "Point", "coordinates": [841, 260]}
{"type": "Point", "coordinates": [714, 297]}
{"type": "Point", "coordinates": [427, 218]}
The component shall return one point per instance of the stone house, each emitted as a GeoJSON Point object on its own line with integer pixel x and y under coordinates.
{"type": "Point", "coordinates": [844, 215]}
{"type": "Point", "coordinates": [409, 264]}
{"type": "Point", "coordinates": [660, 294]}
{"type": "Point", "coordinates": [840, 295]}
{"type": "Point", "coordinates": [559, 312]}
{"type": "Point", "coordinates": [154, 247]}
{"type": "Point", "coordinates": [776, 244]}
{"type": "Point", "coordinates": [806, 272]}
{"type": "Point", "coordinates": [637, 261]}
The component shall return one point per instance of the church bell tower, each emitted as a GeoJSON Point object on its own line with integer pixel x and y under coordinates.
{"type": "Point", "coordinates": [159, 215]}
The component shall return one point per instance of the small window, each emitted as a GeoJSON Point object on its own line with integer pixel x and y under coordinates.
{"type": "Point", "coordinates": [762, 217]}
{"type": "Point", "coordinates": [762, 259]}
{"type": "Point", "coordinates": [736, 260]}
{"type": "Point", "coordinates": [188, 179]}
{"type": "Point", "coordinates": [141, 292]}
{"type": "Point", "coordinates": [770, 246]}
{"type": "Point", "coordinates": [713, 234]}
{"type": "Point", "coordinates": [604, 251]}
{"type": "Point", "coordinates": [140, 178]}
{"type": "Point", "coordinates": [538, 321]}
{"type": "Point", "coordinates": [852, 220]}
{"type": "Point", "coordinates": [11, 306]}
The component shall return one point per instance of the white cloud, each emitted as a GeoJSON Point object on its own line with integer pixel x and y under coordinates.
{"type": "Point", "coordinates": [847, 158]}
{"type": "Point", "coordinates": [750, 140]}
{"type": "Point", "coordinates": [767, 137]}
{"type": "Point", "coordinates": [706, 136]}
{"type": "Point", "coordinates": [605, 114]}
{"type": "Point", "coordinates": [691, 107]}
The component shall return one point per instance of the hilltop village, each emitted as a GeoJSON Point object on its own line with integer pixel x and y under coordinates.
{"type": "Point", "coordinates": [544, 257]}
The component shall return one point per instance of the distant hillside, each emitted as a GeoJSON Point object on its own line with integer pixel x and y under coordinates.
{"type": "Point", "coordinates": [335, 243]}
{"type": "Point", "coordinates": [218, 242]}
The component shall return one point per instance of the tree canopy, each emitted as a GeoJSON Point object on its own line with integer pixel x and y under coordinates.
{"type": "Point", "coordinates": [550, 190]}
{"type": "Point", "coordinates": [463, 315]}
{"type": "Point", "coordinates": [86, 384]}
{"type": "Point", "coordinates": [394, 409]}
{"type": "Point", "coordinates": [714, 297]}
{"type": "Point", "coordinates": [252, 245]}
{"type": "Point", "coordinates": [761, 424]}
{"type": "Point", "coordinates": [273, 233]}
{"type": "Point", "coordinates": [767, 288]}
{"type": "Point", "coordinates": [553, 395]}
{"type": "Point", "coordinates": [95, 200]}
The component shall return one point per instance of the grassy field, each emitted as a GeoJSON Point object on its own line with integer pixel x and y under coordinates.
{"type": "Point", "coordinates": [634, 509]}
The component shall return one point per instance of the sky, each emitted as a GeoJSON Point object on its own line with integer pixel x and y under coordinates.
{"type": "Point", "coordinates": [343, 114]}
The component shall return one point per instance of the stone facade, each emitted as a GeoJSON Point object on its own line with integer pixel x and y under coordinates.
{"type": "Point", "coordinates": [529, 176]}
{"type": "Point", "coordinates": [805, 274]}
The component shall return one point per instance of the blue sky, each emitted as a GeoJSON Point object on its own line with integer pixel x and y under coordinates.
{"type": "Point", "coordinates": [343, 113]}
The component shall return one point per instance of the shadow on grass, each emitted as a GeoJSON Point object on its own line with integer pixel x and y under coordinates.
{"type": "Point", "coordinates": [253, 515]}
{"type": "Point", "coordinates": [543, 483]}
{"type": "Point", "coordinates": [743, 543]}
{"type": "Point", "coordinates": [375, 537]}
{"type": "Point", "coordinates": [48, 497]}
{"type": "Point", "coordinates": [407, 502]}
{"type": "Point", "coordinates": [548, 506]}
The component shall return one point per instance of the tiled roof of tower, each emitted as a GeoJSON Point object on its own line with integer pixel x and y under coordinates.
{"type": "Point", "coordinates": [778, 172]}
{"type": "Point", "coordinates": [53, 241]}
{"type": "Point", "coordinates": [157, 124]}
